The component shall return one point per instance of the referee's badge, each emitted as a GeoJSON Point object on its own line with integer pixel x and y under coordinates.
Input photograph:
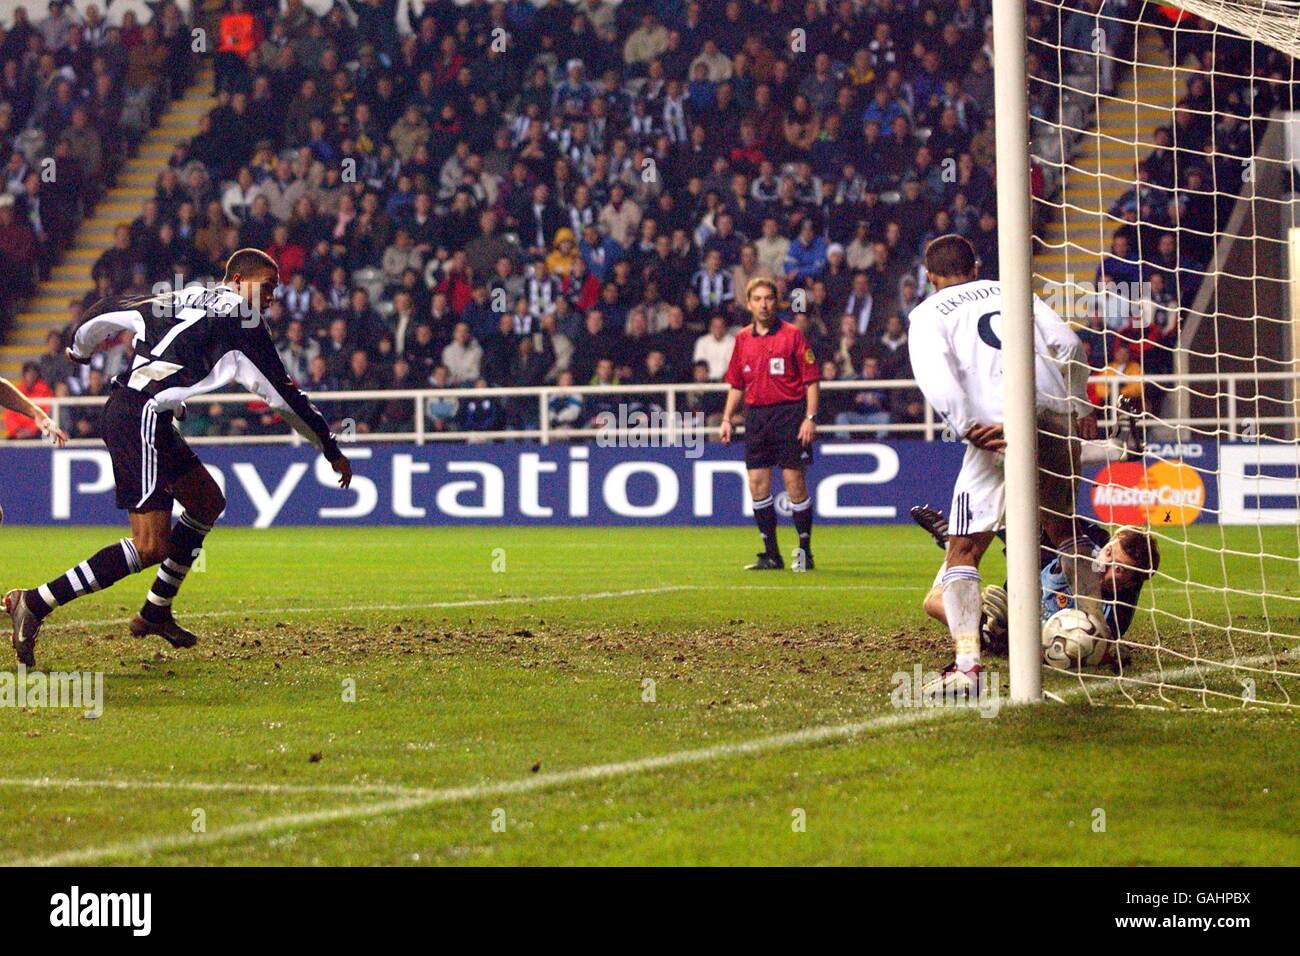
{"type": "Point", "coordinates": [776, 365]}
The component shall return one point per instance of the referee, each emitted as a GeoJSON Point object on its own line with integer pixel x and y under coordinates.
{"type": "Point", "coordinates": [776, 373]}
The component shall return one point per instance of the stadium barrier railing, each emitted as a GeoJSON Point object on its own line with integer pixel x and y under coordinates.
{"type": "Point", "coordinates": [1225, 388]}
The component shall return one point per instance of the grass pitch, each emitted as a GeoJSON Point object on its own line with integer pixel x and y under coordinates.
{"type": "Point", "coordinates": [630, 696]}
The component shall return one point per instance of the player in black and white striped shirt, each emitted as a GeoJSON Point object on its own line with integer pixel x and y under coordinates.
{"type": "Point", "coordinates": [187, 343]}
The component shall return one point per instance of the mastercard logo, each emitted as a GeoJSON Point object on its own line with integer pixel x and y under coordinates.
{"type": "Point", "coordinates": [1167, 492]}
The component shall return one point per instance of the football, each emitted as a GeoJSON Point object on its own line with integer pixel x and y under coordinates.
{"type": "Point", "coordinates": [1073, 639]}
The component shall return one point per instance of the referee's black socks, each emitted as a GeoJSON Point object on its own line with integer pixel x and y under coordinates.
{"type": "Point", "coordinates": [765, 518]}
{"type": "Point", "coordinates": [801, 514]}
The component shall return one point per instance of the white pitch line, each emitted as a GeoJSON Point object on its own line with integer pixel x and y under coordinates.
{"type": "Point", "coordinates": [429, 606]}
{"type": "Point", "coordinates": [418, 799]}
{"type": "Point", "coordinates": [484, 602]}
{"type": "Point", "coordinates": [539, 781]}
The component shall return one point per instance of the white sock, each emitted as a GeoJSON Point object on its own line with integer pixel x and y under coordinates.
{"type": "Point", "coordinates": [961, 604]}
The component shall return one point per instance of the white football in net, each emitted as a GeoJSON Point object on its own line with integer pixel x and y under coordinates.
{"type": "Point", "coordinates": [1073, 639]}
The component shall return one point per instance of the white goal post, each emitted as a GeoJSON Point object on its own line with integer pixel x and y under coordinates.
{"type": "Point", "coordinates": [1147, 190]}
{"type": "Point", "coordinates": [1011, 105]}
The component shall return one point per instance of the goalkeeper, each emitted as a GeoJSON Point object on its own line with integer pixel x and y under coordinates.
{"type": "Point", "coordinates": [1124, 562]}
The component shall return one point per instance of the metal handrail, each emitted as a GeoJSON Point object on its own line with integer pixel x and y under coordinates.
{"type": "Point", "coordinates": [929, 428]}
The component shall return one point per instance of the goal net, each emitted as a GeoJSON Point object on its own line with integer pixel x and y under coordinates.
{"type": "Point", "coordinates": [1164, 211]}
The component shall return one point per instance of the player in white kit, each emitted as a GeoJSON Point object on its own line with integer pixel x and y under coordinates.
{"type": "Point", "coordinates": [954, 339]}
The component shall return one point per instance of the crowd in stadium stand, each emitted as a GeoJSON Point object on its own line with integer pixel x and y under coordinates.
{"type": "Point", "coordinates": [497, 194]}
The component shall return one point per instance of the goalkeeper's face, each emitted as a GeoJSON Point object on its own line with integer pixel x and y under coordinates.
{"type": "Point", "coordinates": [1117, 570]}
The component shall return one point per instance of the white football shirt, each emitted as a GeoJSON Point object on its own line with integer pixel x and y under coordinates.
{"type": "Point", "coordinates": [955, 342]}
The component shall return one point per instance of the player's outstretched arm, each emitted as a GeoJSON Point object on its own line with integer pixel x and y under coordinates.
{"type": "Point", "coordinates": [16, 401]}
{"type": "Point", "coordinates": [261, 371]}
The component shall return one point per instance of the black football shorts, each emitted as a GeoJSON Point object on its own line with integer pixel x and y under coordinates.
{"type": "Point", "coordinates": [148, 453]}
{"type": "Point", "coordinates": [772, 437]}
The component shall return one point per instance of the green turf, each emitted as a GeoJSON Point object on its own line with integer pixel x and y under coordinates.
{"type": "Point", "coordinates": [482, 690]}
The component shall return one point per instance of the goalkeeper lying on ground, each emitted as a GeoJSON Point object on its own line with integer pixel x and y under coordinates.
{"type": "Point", "coordinates": [1124, 561]}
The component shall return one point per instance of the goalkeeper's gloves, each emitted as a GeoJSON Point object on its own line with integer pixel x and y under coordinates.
{"type": "Point", "coordinates": [993, 619]}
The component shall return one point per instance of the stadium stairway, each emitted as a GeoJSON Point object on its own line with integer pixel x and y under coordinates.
{"type": "Point", "coordinates": [48, 309]}
{"type": "Point", "coordinates": [1078, 229]}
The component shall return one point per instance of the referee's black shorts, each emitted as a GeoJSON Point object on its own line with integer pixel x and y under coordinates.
{"type": "Point", "coordinates": [148, 453]}
{"type": "Point", "coordinates": [772, 437]}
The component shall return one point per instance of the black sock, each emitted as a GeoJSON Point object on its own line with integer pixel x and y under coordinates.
{"type": "Point", "coordinates": [185, 544]}
{"type": "Point", "coordinates": [801, 514]}
{"type": "Point", "coordinates": [765, 518]}
{"type": "Point", "coordinates": [101, 570]}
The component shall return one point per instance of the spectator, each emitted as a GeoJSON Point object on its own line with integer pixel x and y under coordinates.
{"type": "Point", "coordinates": [620, 217]}
{"type": "Point", "coordinates": [34, 387]}
{"type": "Point", "coordinates": [441, 413]}
{"type": "Point", "coordinates": [599, 408]}
{"type": "Point", "coordinates": [1153, 331]}
{"type": "Point", "coordinates": [1095, 339]}
{"type": "Point", "coordinates": [480, 412]}
{"type": "Point", "coordinates": [773, 248]}
{"type": "Point", "coordinates": [807, 254]}
{"type": "Point", "coordinates": [848, 348]}
{"type": "Point", "coordinates": [714, 349]}
{"type": "Point", "coordinates": [463, 356]}
{"type": "Point", "coordinates": [891, 348]}
{"type": "Point", "coordinates": [870, 405]}
{"type": "Point", "coordinates": [423, 351]}
{"type": "Point", "coordinates": [297, 352]}
{"type": "Point", "coordinates": [337, 347]}
{"type": "Point", "coordinates": [54, 366]}
{"type": "Point", "coordinates": [362, 414]}
{"type": "Point", "coordinates": [1117, 280]}
{"type": "Point", "coordinates": [564, 410]}
{"type": "Point", "coordinates": [18, 250]}
{"type": "Point", "coordinates": [397, 414]}
{"type": "Point", "coordinates": [713, 284]}
{"type": "Point", "coordinates": [1121, 364]}
{"type": "Point", "coordinates": [599, 252]}
{"type": "Point", "coordinates": [85, 420]}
